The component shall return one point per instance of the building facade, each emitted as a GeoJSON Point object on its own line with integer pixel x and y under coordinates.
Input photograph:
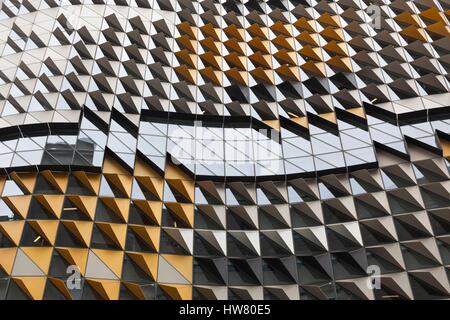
{"type": "Point", "coordinates": [224, 149]}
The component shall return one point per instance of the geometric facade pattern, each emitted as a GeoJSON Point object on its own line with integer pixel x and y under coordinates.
{"type": "Point", "coordinates": [211, 149]}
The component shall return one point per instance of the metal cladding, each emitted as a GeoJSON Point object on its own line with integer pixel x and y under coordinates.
{"type": "Point", "coordinates": [210, 149]}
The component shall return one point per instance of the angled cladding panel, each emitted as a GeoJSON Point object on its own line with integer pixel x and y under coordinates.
{"type": "Point", "coordinates": [224, 149]}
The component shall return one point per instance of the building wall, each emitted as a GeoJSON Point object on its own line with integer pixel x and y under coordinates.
{"type": "Point", "coordinates": [224, 149]}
